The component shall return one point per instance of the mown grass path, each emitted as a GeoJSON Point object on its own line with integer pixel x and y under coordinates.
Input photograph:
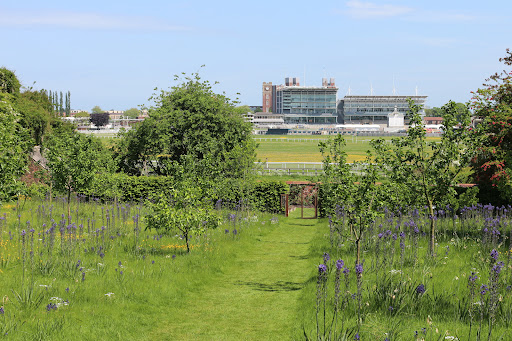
{"type": "Point", "coordinates": [255, 298]}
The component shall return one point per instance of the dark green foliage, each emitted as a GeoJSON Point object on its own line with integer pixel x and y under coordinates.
{"type": "Point", "coordinates": [192, 125]}
{"type": "Point", "coordinates": [14, 145]}
{"type": "Point", "coordinates": [266, 195]}
{"type": "Point", "coordinates": [128, 188]}
{"type": "Point", "coordinates": [74, 159]}
{"type": "Point", "coordinates": [9, 83]}
{"type": "Point", "coordinates": [493, 164]}
{"type": "Point", "coordinates": [263, 196]}
{"type": "Point", "coordinates": [99, 120]}
{"type": "Point", "coordinates": [36, 113]}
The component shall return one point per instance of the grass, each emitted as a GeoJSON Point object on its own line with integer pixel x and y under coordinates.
{"type": "Point", "coordinates": [261, 283]}
{"type": "Point", "coordinates": [122, 292]}
{"type": "Point", "coordinates": [288, 149]}
{"type": "Point", "coordinates": [254, 296]}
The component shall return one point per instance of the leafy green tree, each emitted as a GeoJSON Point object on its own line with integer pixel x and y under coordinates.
{"type": "Point", "coordinates": [96, 110]}
{"type": "Point", "coordinates": [190, 124]}
{"type": "Point", "coordinates": [357, 192]}
{"type": "Point", "coordinates": [461, 108]}
{"type": "Point", "coordinates": [493, 164]}
{"type": "Point", "coordinates": [9, 83]}
{"type": "Point", "coordinates": [184, 211]}
{"type": "Point", "coordinates": [426, 172]}
{"type": "Point", "coordinates": [73, 161]}
{"type": "Point", "coordinates": [82, 114]}
{"type": "Point", "coordinates": [13, 149]}
{"type": "Point", "coordinates": [132, 113]}
{"type": "Point", "coordinates": [36, 113]}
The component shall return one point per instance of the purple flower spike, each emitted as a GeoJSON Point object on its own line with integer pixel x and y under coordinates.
{"type": "Point", "coordinates": [327, 257]}
{"type": "Point", "coordinates": [494, 254]}
{"type": "Point", "coordinates": [322, 268]}
{"type": "Point", "coordinates": [339, 264]}
{"type": "Point", "coordinates": [420, 289]}
{"type": "Point", "coordinates": [359, 269]}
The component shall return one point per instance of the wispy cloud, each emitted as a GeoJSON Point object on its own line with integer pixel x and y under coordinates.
{"type": "Point", "coordinates": [84, 21]}
{"type": "Point", "coordinates": [364, 10]}
{"type": "Point", "coordinates": [368, 10]}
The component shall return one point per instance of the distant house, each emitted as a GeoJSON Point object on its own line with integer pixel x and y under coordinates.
{"type": "Point", "coordinates": [432, 120]}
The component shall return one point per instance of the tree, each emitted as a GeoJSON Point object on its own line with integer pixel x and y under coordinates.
{"type": "Point", "coordinates": [190, 124]}
{"type": "Point", "coordinates": [36, 113]}
{"type": "Point", "coordinates": [356, 192]}
{"type": "Point", "coordinates": [99, 120]}
{"type": "Point", "coordinates": [73, 161]}
{"type": "Point", "coordinates": [426, 172]}
{"type": "Point", "coordinates": [493, 164]}
{"type": "Point", "coordinates": [13, 148]}
{"type": "Point", "coordinates": [96, 110]}
{"type": "Point", "coordinates": [132, 113]}
{"type": "Point", "coordinates": [9, 83]}
{"type": "Point", "coordinates": [82, 114]}
{"type": "Point", "coordinates": [185, 212]}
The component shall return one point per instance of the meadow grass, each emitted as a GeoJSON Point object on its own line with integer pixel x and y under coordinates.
{"type": "Point", "coordinates": [104, 277]}
{"type": "Point", "coordinates": [391, 306]}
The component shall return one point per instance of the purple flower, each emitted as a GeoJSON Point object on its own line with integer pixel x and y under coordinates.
{"type": "Point", "coordinates": [226, 231]}
{"type": "Point", "coordinates": [494, 254]}
{"type": "Point", "coordinates": [473, 277]}
{"type": "Point", "coordinates": [483, 289]}
{"type": "Point", "coordinates": [420, 289]}
{"type": "Point", "coordinates": [327, 257]}
{"type": "Point", "coordinates": [497, 268]}
{"type": "Point", "coordinates": [120, 264]}
{"type": "Point", "coordinates": [23, 233]}
{"type": "Point", "coordinates": [67, 289]}
{"type": "Point", "coordinates": [152, 262]}
{"type": "Point", "coordinates": [339, 264]}
{"type": "Point", "coordinates": [235, 232]}
{"type": "Point", "coordinates": [120, 272]}
{"type": "Point", "coordinates": [356, 337]}
{"type": "Point", "coordinates": [346, 271]}
{"type": "Point", "coordinates": [322, 268]}
{"type": "Point", "coordinates": [51, 307]}
{"type": "Point", "coordinates": [2, 311]}
{"type": "Point", "coordinates": [359, 269]}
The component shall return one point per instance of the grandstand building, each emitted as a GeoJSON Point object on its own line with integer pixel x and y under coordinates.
{"type": "Point", "coordinates": [298, 104]}
{"type": "Point", "coordinates": [374, 109]}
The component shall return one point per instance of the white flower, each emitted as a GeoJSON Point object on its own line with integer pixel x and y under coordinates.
{"type": "Point", "coordinates": [109, 294]}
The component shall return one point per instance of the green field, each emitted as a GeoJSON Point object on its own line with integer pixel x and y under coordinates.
{"type": "Point", "coordinates": [305, 148]}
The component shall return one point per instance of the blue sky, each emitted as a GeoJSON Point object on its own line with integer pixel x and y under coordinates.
{"type": "Point", "coordinates": [115, 53]}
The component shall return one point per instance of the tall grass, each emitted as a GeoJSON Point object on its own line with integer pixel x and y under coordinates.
{"type": "Point", "coordinates": [102, 276]}
{"type": "Point", "coordinates": [403, 294]}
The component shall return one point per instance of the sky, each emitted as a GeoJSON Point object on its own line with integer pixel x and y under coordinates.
{"type": "Point", "coordinates": [114, 54]}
